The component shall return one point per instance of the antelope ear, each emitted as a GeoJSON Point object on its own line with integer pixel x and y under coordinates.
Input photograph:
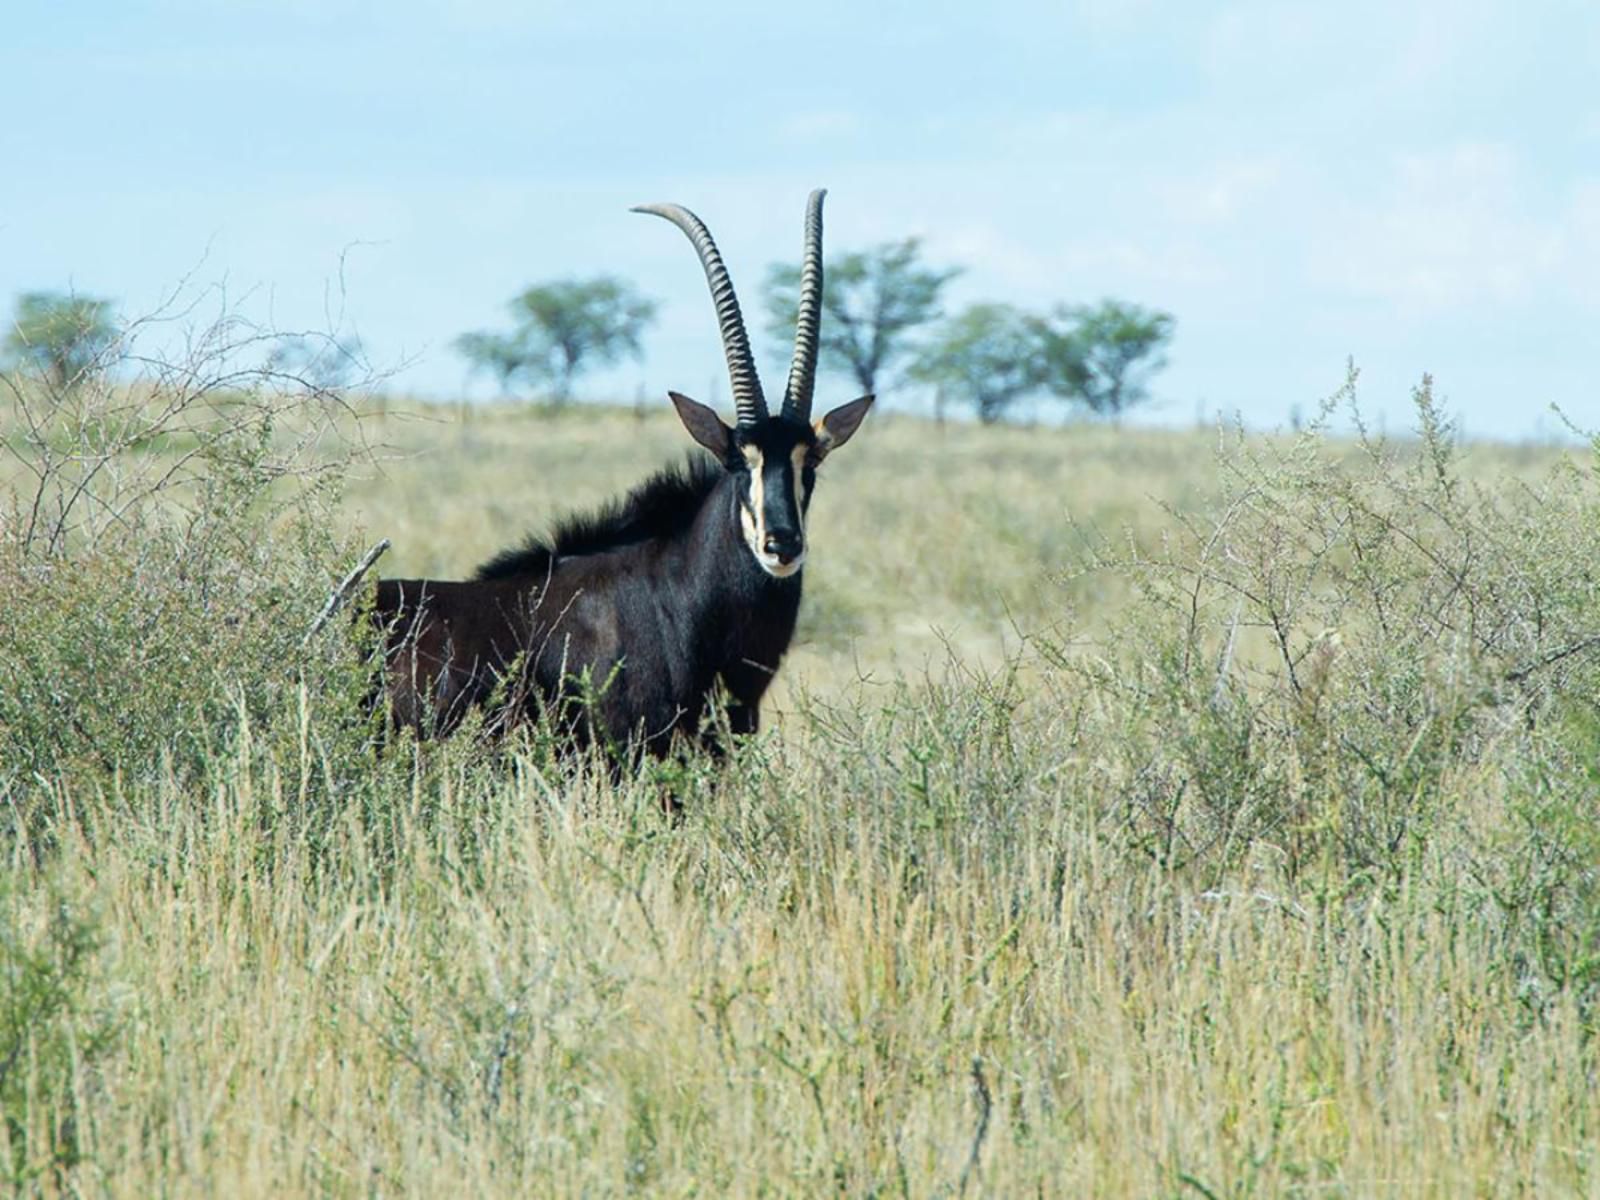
{"type": "Point", "coordinates": [834, 430]}
{"type": "Point", "coordinates": [704, 426]}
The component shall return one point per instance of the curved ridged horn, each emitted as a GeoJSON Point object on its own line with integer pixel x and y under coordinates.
{"type": "Point", "coordinates": [803, 370]}
{"type": "Point", "coordinates": [748, 401]}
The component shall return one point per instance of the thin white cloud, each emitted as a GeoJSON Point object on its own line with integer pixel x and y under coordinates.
{"type": "Point", "coordinates": [1453, 230]}
{"type": "Point", "coordinates": [1226, 191]}
{"type": "Point", "coordinates": [1581, 261]}
{"type": "Point", "coordinates": [819, 126]}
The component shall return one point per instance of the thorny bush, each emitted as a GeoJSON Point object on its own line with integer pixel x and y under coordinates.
{"type": "Point", "coordinates": [165, 543]}
{"type": "Point", "coordinates": [1354, 639]}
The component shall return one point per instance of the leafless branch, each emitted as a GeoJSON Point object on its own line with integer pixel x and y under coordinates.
{"type": "Point", "coordinates": [346, 586]}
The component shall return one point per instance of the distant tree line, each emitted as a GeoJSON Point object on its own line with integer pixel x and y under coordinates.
{"type": "Point", "coordinates": [64, 338]}
{"type": "Point", "coordinates": [884, 326]}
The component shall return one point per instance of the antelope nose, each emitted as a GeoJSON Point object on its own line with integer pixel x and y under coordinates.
{"type": "Point", "coordinates": [785, 547]}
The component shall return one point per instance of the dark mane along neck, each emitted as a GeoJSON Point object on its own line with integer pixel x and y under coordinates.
{"type": "Point", "coordinates": [662, 506]}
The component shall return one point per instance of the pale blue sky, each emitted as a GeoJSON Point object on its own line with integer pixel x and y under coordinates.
{"type": "Point", "coordinates": [1415, 185]}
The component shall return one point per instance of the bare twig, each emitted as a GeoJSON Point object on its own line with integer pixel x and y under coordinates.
{"type": "Point", "coordinates": [346, 586]}
{"type": "Point", "coordinates": [1219, 690]}
{"type": "Point", "coordinates": [1555, 656]}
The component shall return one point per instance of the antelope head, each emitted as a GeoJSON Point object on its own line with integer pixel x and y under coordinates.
{"type": "Point", "coordinates": [774, 458]}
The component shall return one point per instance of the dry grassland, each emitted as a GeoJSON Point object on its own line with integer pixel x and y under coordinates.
{"type": "Point", "coordinates": [974, 917]}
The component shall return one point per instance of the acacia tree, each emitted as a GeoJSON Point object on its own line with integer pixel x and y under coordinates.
{"type": "Point", "coordinates": [874, 299]}
{"type": "Point", "coordinates": [61, 335]}
{"type": "Point", "coordinates": [988, 354]}
{"type": "Point", "coordinates": [1102, 356]}
{"type": "Point", "coordinates": [562, 329]}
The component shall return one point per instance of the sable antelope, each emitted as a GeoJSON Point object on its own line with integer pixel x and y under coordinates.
{"type": "Point", "coordinates": [625, 622]}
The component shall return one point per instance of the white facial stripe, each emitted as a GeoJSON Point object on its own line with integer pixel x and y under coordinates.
{"type": "Point", "coordinates": [753, 519]}
{"type": "Point", "coordinates": [801, 491]}
{"type": "Point", "coordinates": [747, 523]}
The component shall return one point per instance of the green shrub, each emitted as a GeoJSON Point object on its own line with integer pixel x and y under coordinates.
{"type": "Point", "coordinates": [165, 550]}
{"type": "Point", "coordinates": [1323, 662]}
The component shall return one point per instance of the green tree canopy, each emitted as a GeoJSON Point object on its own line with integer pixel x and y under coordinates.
{"type": "Point", "coordinates": [872, 301]}
{"type": "Point", "coordinates": [1102, 356]}
{"type": "Point", "coordinates": [987, 354]}
{"type": "Point", "coordinates": [562, 329]}
{"type": "Point", "coordinates": [60, 334]}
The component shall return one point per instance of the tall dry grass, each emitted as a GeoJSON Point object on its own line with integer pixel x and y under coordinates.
{"type": "Point", "coordinates": [1143, 814]}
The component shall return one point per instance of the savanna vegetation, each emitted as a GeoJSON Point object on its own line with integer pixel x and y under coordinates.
{"type": "Point", "coordinates": [885, 328]}
{"type": "Point", "coordinates": [1142, 813]}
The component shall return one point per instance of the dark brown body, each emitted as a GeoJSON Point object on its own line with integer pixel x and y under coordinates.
{"type": "Point", "coordinates": [626, 625]}
{"type": "Point", "coordinates": [645, 629]}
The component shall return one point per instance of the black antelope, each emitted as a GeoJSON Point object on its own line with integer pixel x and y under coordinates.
{"type": "Point", "coordinates": [625, 623]}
